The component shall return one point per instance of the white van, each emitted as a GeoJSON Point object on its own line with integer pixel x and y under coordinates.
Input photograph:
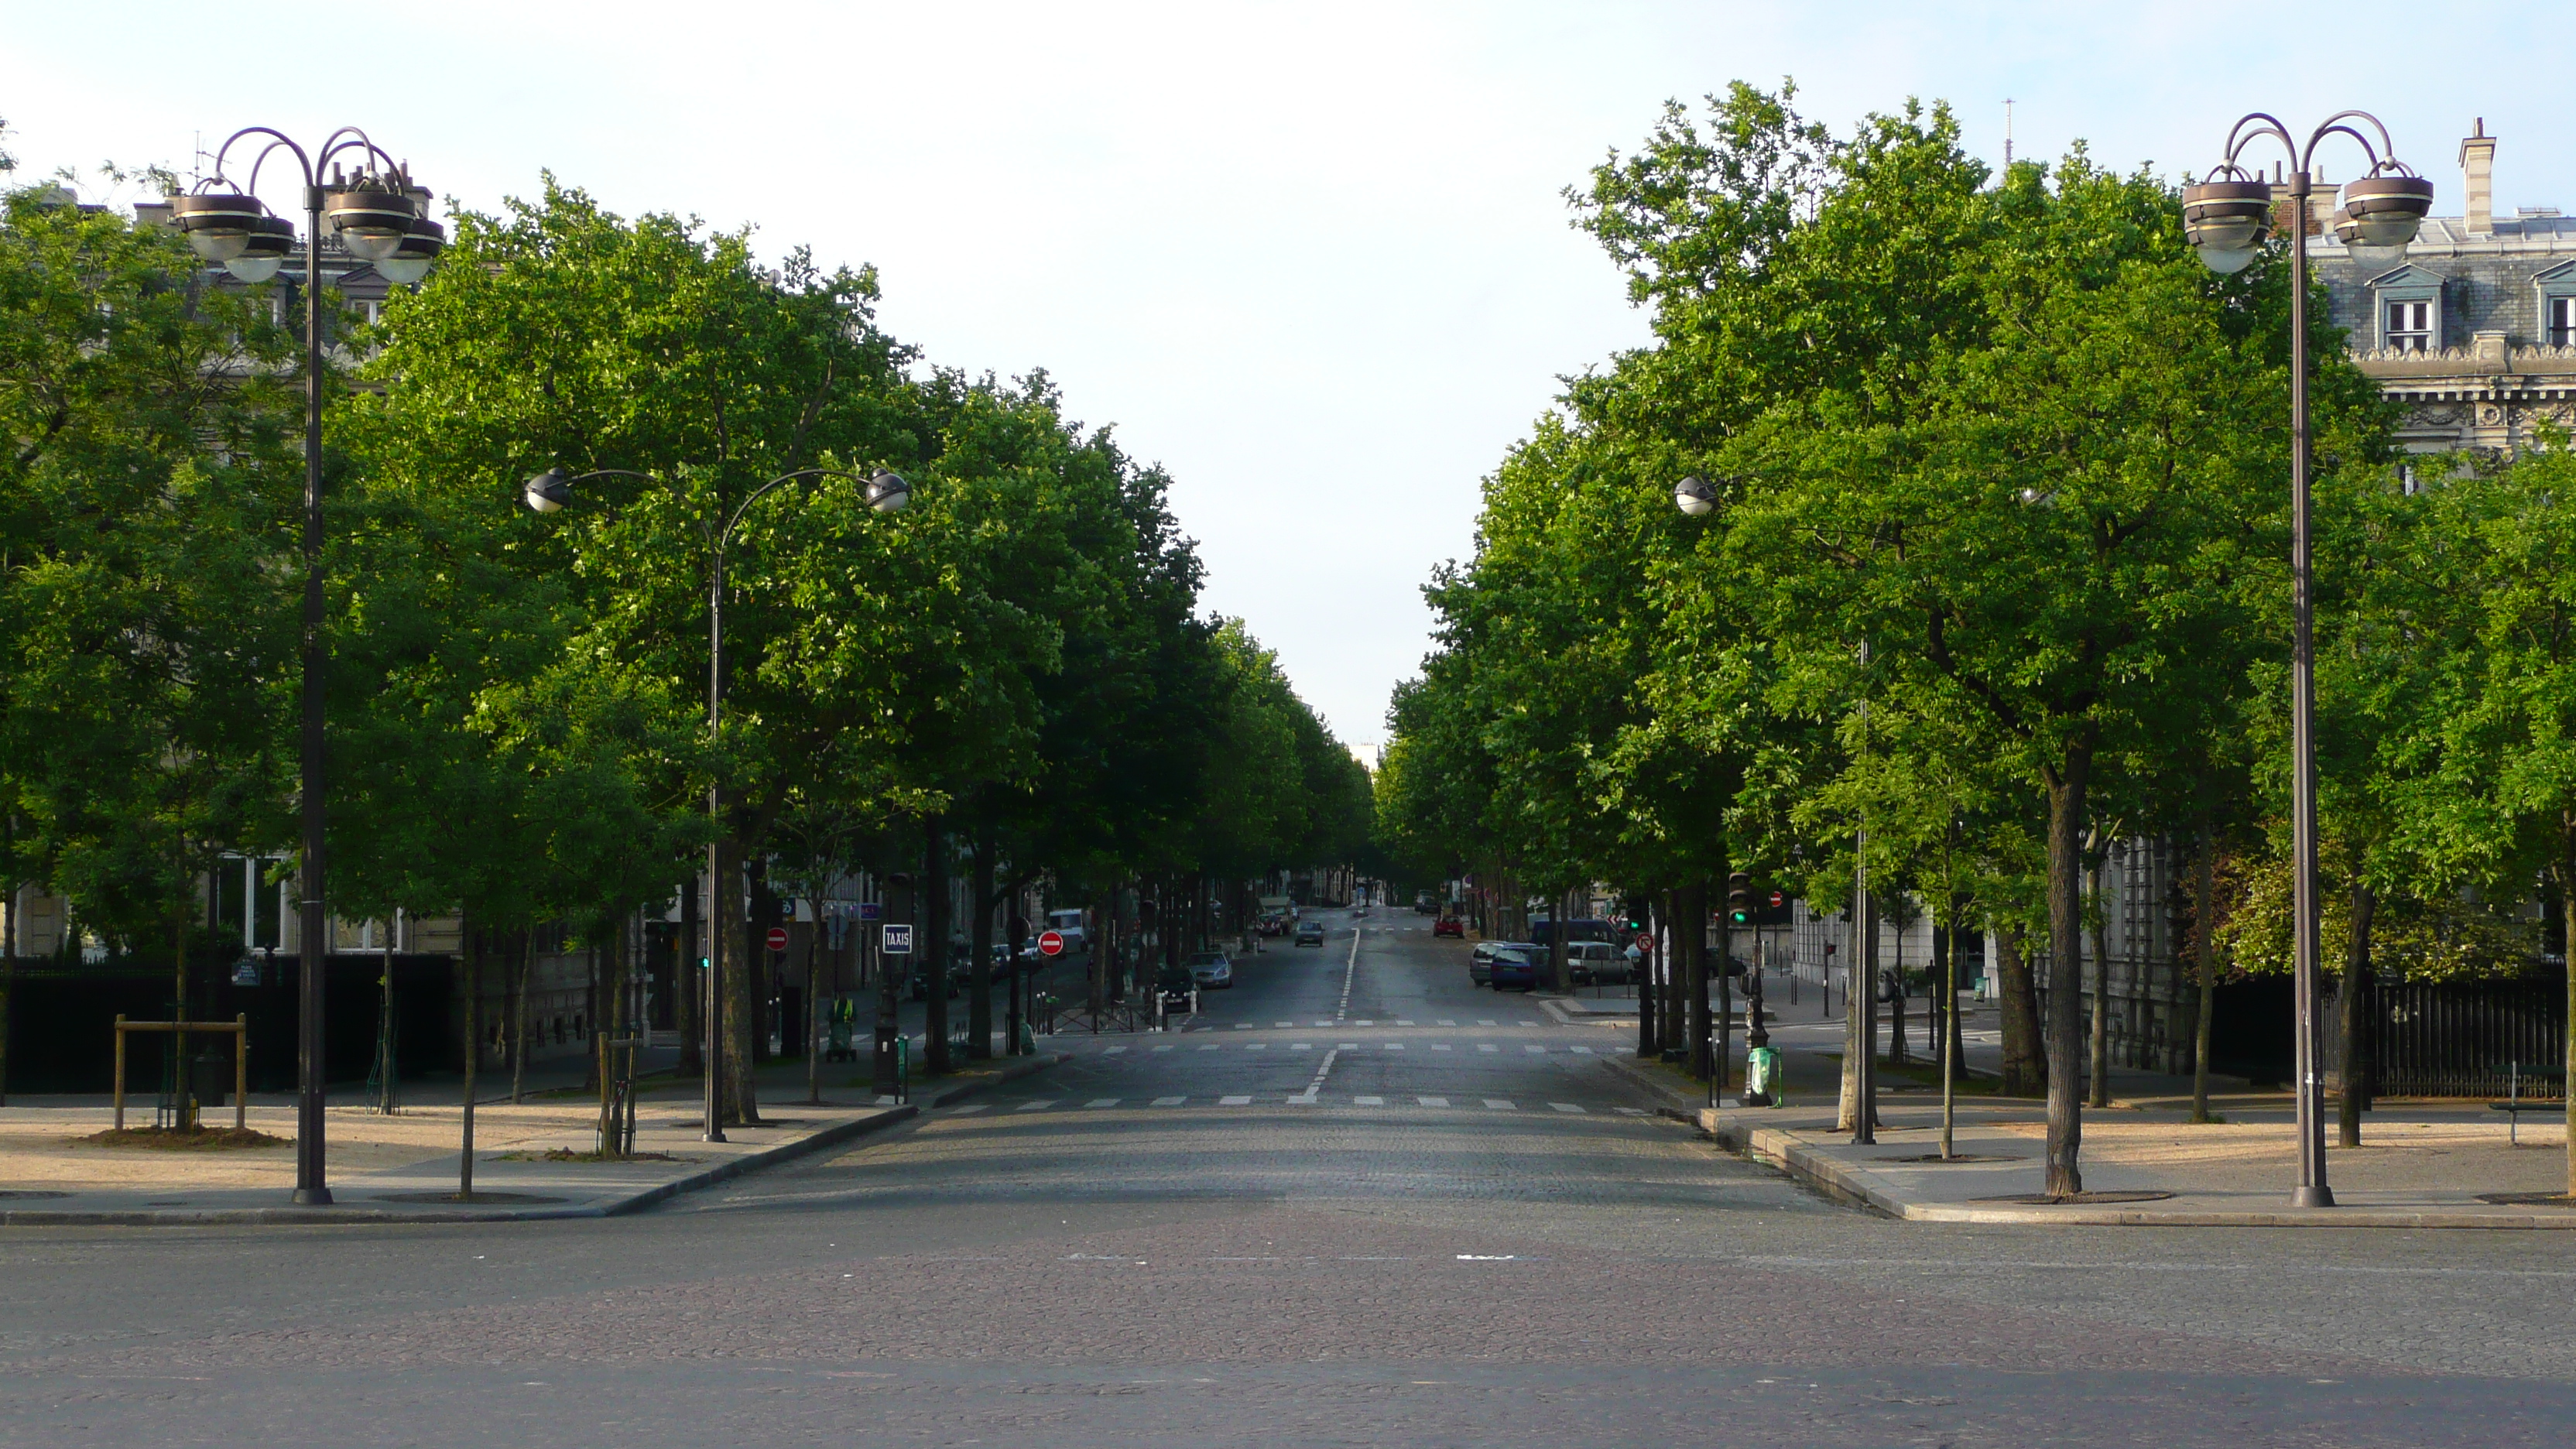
{"type": "Point", "coordinates": [1068, 924]}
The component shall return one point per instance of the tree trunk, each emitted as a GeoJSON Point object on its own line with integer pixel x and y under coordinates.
{"type": "Point", "coordinates": [2567, 912]}
{"type": "Point", "coordinates": [732, 929]}
{"type": "Point", "coordinates": [934, 939]}
{"type": "Point", "coordinates": [1556, 928]}
{"type": "Point", "coordinates": [1860, 1028]}
{"type": "Point", "coordinates": [592, 963]}
{"type": "Point", "coordinates": [473, 1053]}
{"type": "Point", "coordinates": [519, 1017]}
{"type": "Point", "coordinates": [2101, 930]}
{"type": "Point", "coordinates": [1695, 977]}
{"type": "Point", "coordinates": [979, 983]}
{"type": "Point", "coordinates": [812, 1026]}
{"type": "Point", "coordinates": [2025, 1065]}
{"type": "Point", "coordinates": [688, 986]}
{"type": "Point", "coordinates": [2205, 953]}
{"type": "Point", "coordinates": [2066, 807]}
{"type": "Point", "coordinates": [8, 975]}
{"type": "Point", "coordinates": [2353, 1092]}
{"type": "Point", "coordinates": [1896, 1002]}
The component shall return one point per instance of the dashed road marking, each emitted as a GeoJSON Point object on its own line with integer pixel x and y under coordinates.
{"type": "Point", "coordinates": [1565, 1106]}
{"type": "Point", "coordinates": [1366, 1022]}
{"type": "Point", "coordinates": [1433, 1101]}
{"type": "Point", "coordinates": [1484, 1021]}
{"type": "Point", "coordinates": [1102, 1102]}
{"type": "Point", "coordinates": [1112, 1051]}
{"type": "Point", "coordinates": [1629, 1111]}
{"type": "Point", "coordinates": [1500, 1104]}
{"type": "Point", "coordinates": [1209, 1047]}
{"type": "Point", "coordinates": [1243, 1026]}
{"type": "Point", "coordinates": [1346, 1046]}
{"type": "Point", "coordinates": [1234, 1101]}
{"type": "Point", "coordinates": [1534, 1047]}
{"type": "Point", "coordinates": [1395, 1046]}
{"type": "Point", "coordinates": [1169, 1101]}
{"type": "Point", "coordinates": [1039, 1105]}
{"type": "Point", "coordinates": [1440, 1046]}
{"type": "Point", "coordinates": [1582, 1051]}
{"type": "Point", "coordinates": [1283, 1023]}
{"type": "Point", "coordinates": [1399, 1021]}
{"type": "Point", "coordinates": [1164, 1048]}
{"type": "Point", "coordinates": [970, 1107]}
{"type": "Point", "coordinates": [1301, 1046]}
{"type": "Point", "coordinates": [1256, 1046]}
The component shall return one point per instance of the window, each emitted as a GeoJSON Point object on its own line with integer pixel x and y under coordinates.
{"type": "Point", "coordinates": [2562, 321]}
{"type": "Point", "coordinates": [2410, 326]}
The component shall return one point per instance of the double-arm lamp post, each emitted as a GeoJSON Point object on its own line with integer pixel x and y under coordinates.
{"type": "Point", "coordinates": [549, 492]}
{"type": "Point", "coordinates": [2227, 217]}
{"type": "Point", "coordinates": [376, 212]}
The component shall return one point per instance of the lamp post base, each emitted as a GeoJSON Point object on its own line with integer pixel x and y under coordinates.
{"type": "Point", "coordinates": [312, 1197]}
{"type": "Point", "coordinates": [889, 1072]}
{"type": "Point", "coordinates": [2319, 1196]}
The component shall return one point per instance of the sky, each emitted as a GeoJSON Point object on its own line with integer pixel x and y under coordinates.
{"type": "Point", "coordinates": [1312, 258]}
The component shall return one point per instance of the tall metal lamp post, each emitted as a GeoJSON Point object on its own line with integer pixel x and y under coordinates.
{"type": "Point", "coordinates": [549, 492]}
{"type": "Point", "coordinates": [2227, 217]}
{"type": "Point", "coordinates": [376, 213]}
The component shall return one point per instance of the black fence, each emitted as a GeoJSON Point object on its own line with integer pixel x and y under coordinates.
{"type": "Point", "coordinates": [62, 1022]}
{"type": "Point", "coordinates": [2464, 1040]}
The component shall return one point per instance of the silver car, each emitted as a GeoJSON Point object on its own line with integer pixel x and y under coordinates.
{"type": "Point", "coordinates": [1211, 970]}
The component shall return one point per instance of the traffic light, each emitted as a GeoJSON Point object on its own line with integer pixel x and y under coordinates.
{"type": "Point", "coordinates": [1739, 899]}
{"type": "Point", "coordinates": [1636, 915]}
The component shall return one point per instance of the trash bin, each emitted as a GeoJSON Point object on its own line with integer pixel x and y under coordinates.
{"type": "Point", "coordinates": [210, 1078]}
{"type": "Point", "coordinates": [1762, 1085]}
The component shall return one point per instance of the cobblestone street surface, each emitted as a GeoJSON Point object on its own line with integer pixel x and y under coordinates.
{"type": "Point", "coordinates": [1356, 1201]}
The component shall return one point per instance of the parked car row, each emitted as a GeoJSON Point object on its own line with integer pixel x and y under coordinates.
{"type": "Point", "coordinates": [1520, 964]}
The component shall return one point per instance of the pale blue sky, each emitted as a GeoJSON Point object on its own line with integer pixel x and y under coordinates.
{"type": "Point", "coordinates": [1310, 256]}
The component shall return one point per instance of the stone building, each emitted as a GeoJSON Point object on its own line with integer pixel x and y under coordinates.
{"type": "Point", "coordinates": [2475, 332]}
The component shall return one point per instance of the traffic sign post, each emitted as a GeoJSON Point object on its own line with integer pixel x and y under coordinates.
{"type": "Point", "coordinates": [1050, 943]}
{"type": "Point", "coordinates": [778, 939]}
{"type": "Point", "coordinates": [895, 938]}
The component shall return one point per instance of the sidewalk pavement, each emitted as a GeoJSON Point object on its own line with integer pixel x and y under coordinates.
{"type": "Point", "coordinates": [403, 1168]}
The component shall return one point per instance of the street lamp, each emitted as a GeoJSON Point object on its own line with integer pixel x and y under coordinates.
{"type": "Point", "coordinates": [373, 211]}
{"type": "Point", "coordinates": [550, 492]}
{"type": "Point", "coordinates": [2227, 216]}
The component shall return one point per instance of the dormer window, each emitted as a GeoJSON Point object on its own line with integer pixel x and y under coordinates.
{"type": "Point", "coordinates": [2409, 327]}
{"type": "Point", "coordinates": [2562, 321]}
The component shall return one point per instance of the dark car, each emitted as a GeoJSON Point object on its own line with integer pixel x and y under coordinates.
{"type": "Point", "coordinates": [1514, 967]}
{"type": "Point", "coordinates": [1450, 926]}
{"type": "Point", "coordinates": [1310, 933]}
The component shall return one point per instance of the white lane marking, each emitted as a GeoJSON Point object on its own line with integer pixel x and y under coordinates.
{"type": "Point", "coordinates": [1484, 1021]}
{"type": "Point", "coordinates": [1433, 1101]}
{"type": "Point", "coordinates": [1283, 1023]}
{"type": "Point", "coordinates": [969, 1107]}
{"type": "Point", "coordinates": [1169, 1101]}
{"type": "Point", "coordinates": [1629, 1111]}
{"type": "Point", "coordinates": [1247, 1026]}
{"type": "Point", "coordinates": [1208, 1047]}
{"type": "Point", "coordinates": [1234, 1101]}
{"type": "Point", "coordinates": [1565, 1106]}
{"type": "Point", "coordinates": [1350, 973]}
{"type": "Point", "coordinates": [1581, 1051]}
{"type": "Point", "coordinates": [1395, 1046]}
{"type": "Point", "coordinates": [1301, 1046]}
{"type": "Point", "coordinates": [1256, 1046]}
{"type": "Point", "coordinates": [1366, 1022]}
{"type": "Point", "coordinates": [1323, 1023]}
{"type": "Point", "coordinates": [1486, 1046]}
{"type": "Point", "coordinates": [1542, 1051]}
{"type": "Point", "coordinates": [1444, 1021]}
{"type": "Point", "coordinates": [1039, 1105]}
{"type": "Point", "coordinates": [1347, 1046]}
{"type": "Point", "coordinates": [1113, 1051]}
{"type": "Point", "coordinates": [1500, 1105]}
{"type": "Point", "coordinates": [1164, 1048]}
{"type": "Point", "coordinates": [1322, 1070]}
{"type": "Point", "coordinates": [1102, 1102]}
{"type": "Point", "coordinates": [1368, 1101]}
{"type": "Point", "coordinates": [1440, 1046]}
{"type": "Point", "coordinates": [1400, 1021]}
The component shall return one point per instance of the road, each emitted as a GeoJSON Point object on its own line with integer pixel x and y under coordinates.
{"type": "Point", "coordinates": [1356, 1202]}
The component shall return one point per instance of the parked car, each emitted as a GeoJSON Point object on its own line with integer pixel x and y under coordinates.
{"type": "Point", "coordinates": [1596, 963]}
{"type": "Point", "coordinates": [1423, 903]}
{"type": "Point", "coordinates": [1584, 928]}
{"type": "Point", "coordinates": [1450, 926]}
{"type": "Point", "coordinates": [1480, 962]}
{"type": "Point", "coordinates": [1068, 924]}
{"type": "Point", "coordinates": [1211, 970]}
{"type": "Point", "coordinates": [1516, 965]}
{"type": "Point", "coordinates": [1310, 933]}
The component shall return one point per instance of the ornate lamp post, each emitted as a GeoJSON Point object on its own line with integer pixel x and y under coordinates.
{"type": "Point", "coordinates": [376, 212]}
{"type": "Point", "coordinates": [549, 492]}
{"type": "Point", "coordinates": [2227, 217]}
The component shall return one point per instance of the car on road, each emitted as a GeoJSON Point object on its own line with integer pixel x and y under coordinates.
{"type": "Point", "coordinates": [1516, 966]}
{"type": "Point", "coordinates": [1450, 926]}
{"type": "Point", "coordinates": [1423, 903]}
{"type": "Point", "coordinates": [1480, 962]}
{"type": "Point", "coordinates": [1595, 963]}
{"type": "Point", "coordinates": [1310, 933]}
{"type": "Point", "coordinates": [1211, 970]}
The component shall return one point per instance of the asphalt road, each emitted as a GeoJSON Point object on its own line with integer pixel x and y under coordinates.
{"type": "Point", "coordinates": [1356, 1202]}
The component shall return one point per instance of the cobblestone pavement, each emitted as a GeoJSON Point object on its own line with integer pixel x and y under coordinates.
{"type": "Point", "coordinates": [1217, 1237]}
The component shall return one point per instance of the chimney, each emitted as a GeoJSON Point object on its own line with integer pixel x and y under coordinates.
{"type": "Point", "coordinates": [2477, 165]}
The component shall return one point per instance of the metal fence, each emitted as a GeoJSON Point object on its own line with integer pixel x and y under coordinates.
{"type": "Point", "coordinates": [2463, 1040]}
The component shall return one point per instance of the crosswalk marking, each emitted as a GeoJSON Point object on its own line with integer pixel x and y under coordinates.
{"type": "Point", "coordinates": [1368, 1023]}
{"type": "Point", "coordinates": [969, 1107]}
{"type": "Point", "coordinates": [1565, 1106]}
{"type": "Point", "coordinates": [1234, 1101]}
{"type": "Point", "coordinates": [1444, 1021]}
{"type": "Point", "coordinates": [1534, 1047]}
{"type": "Point", "coordinates": [1500, 1104]}
{"type": "Point", "coordinates": [1582, 1051]}
{"type": "Point", "coordinates": [1484, 1021]}
{"type": "Point", "coordinates": [1440, 1046]}
{"type": "Point", "coordinates": [1629, 1111]}
{"type": "Point", "coordinates": [1102, 1102]}
{"type": "Point", "coordinates": [1208, 1047]}
{"type": "Point", "coordinates": [1395, 1046]}
{"type": "Point", "coordinates": [1112, 1051]}
{"type": "Point", "coordinates": [1255, 1046]}
{"type": "Point", "coordinates": [1164, 1048]}
{"type": "Point", "coordinates": [1433, 1101]}
{"type": "Point", "coordinates": [1283, 1023]}
{"type": "Point", "coordinates": [1039, 1105]}
{"type": "Point", "coordinates": [1486, 1046]}
{"type": "Point", "coordinates": [1368, 1101]}
{"type": "Point", "coordinates": [1169, 1101]}
{"type": "Point", "coordinates": [1346, 1046]}
{"type": "Point", "coordinates": [1402, 1022]}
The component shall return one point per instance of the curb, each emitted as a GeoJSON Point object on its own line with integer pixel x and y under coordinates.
{"type": "Point", "coordinates": [1681, 1106]}
{"type": "Point", "coordinates": [1777, 1148]}
{"type": "Point", "coordinates": [831, 1136]}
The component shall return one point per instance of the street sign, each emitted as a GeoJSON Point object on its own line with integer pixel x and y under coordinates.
{"type": "Point", "coordinates": [778, 938]}
{"type": "Point", "coordinates": [869, 910]}
{"type": "Point", "coordinates": [897, 940]}
{"type": "Point", "coordinates": [1778, 899]}
{"type": "Point", "coordinates": [1050, 943]}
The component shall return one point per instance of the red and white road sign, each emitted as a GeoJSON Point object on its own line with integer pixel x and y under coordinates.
{"type": "Point", "coordinates": [778, 938]}
{"type": "Point", "coordinates": [1050, 943]}
{"type": "Point", "coordinates": [1778, 900]}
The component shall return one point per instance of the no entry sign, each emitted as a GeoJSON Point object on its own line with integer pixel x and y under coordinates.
{"type": "Point", "coordinates": [778, 938]}
{"type": "Point", "coordinates": [1050, 943]}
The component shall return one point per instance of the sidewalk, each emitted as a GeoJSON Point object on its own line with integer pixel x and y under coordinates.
{"type": "Point", "coordinates": [403, 1168]}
